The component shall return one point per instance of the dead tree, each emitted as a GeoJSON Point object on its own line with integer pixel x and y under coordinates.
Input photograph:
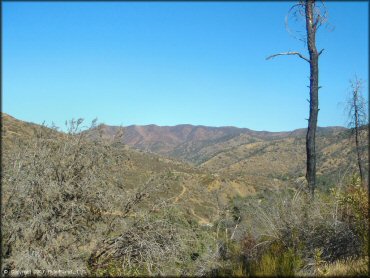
{"type": "Point", "coordinates": [314, 17]}
{"type": "Point", "coordinates": [357, 118]}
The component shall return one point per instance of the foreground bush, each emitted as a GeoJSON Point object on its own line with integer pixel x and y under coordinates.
{"type": "Point", "coordinates": [289, 234]}
{"type": "Point", "coordinates": [348, 267]}
{"type": "Point", "coordinates": [353, 209]}
{"type": "Point", "coordinates": [53, 190]}
{"type": "Point", "coordinates": [167, 243]}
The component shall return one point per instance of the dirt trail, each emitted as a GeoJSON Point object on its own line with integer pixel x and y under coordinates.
{"type": "Point", "coordinates": [119, 213]}
{"type": "Point", "coordinates": [180, 195]}
{"type": "Point", "coordinates": [113, 213]}
{"type": "Point", "coordinates": [202, 221]}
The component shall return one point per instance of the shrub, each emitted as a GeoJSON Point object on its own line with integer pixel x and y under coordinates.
{"type": "Point", "coordinates": [289, 234]}
{"type": "Point", "coordinates": [53, 194]}
{"type": "Point", "coordinates": [156, 244]}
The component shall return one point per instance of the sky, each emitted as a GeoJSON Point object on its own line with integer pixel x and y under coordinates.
{"type": "Point", "coordinates": [164, 63]}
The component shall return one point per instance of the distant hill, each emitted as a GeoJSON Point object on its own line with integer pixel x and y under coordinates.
{"type": "Point", "coordinates": [257, 158]}
{"type": "Point", "coordinates": [166, 139]}
{"type": "Point", "coordinates": [195, 143]}
{"type": "Point", "coordinates": [14, 129]}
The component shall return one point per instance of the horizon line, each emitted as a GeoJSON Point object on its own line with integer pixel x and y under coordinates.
{"type": "Point", "coordinates": [180, 124]}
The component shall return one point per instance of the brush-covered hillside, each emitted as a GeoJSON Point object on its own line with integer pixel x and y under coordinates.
{"type": "Point", "coordinates": [205, 201]}
{"type": "Point", "coordinates": [190, 187]}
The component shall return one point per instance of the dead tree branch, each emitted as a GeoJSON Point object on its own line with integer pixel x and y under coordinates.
{"type": "Point", "coordinates": [288, 53]}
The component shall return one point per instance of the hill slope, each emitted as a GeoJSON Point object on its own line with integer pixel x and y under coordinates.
{"type": "Point", "coordinates": [190, 188]}
{"type": "Point", "coordinates": [195, 143]}
{"type": "Point", "coordinates": [257, 158]}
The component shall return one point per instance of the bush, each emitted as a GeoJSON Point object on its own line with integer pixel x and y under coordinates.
{"type": "Point", "coordinates": [353, 209]}
{"type": "Point", "coordinates": [53, 194]}
{"type": "Point", "coordinates": [156, 244]}
{"type": "Point", "coordinates": [291, 235]}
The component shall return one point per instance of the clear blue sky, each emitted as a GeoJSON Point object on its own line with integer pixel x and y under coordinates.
{"type": "Point", "coordinates": [174, 63]}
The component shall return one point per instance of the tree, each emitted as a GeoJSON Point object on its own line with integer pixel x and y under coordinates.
{"type": "Point", "coordinates": [314, 17]}
{"type": "Point", "coordinates": [357, 115]}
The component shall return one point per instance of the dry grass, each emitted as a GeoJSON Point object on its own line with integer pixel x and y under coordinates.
{"type": "Point", "coordinates": [349, 267]}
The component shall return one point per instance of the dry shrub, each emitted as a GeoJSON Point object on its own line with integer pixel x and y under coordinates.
{"type": "Point", "coordinates": [155, 244]}
{"type": "Point", "coordinates": [353, 209]}
{"type": "Point", "coordinates": [53, 193]}
{"type": "Point", "coordinates": [142, 247]}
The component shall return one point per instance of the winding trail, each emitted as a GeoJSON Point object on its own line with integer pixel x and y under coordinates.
{"type": "Point", "coordinates": [180, 195]}
{"type": "Point", "coordinates": [202, 221]}
{"type": "Point", "coordinates": [119, 213]}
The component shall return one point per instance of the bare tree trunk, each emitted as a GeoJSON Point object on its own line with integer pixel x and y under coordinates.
{"type": "Point", "coordinates": [357, 136]}
{"type": "Point", "coordinates": [314, 96]}
{"type": "Point", "coordinates": [313, 20]}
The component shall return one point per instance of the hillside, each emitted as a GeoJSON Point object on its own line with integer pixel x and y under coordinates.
{"type": "Point", "coordinates": [14, 129]}
{"type": "Point", "coordinates": [196, 144]}
{"type": "Point", "coordinates": [168, 140]}
{"type": "Point", "coordinates": [102, 200]}
{"type": "Point", "coordinates": [249, 160]}
{"type": "Point", "coordinates": [190, 187]}
{"type": "Point", "coordinates": [256, 158]}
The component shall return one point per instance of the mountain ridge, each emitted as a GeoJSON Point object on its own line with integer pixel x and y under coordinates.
{"type": "Point", "coordinates": [186, 141]}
